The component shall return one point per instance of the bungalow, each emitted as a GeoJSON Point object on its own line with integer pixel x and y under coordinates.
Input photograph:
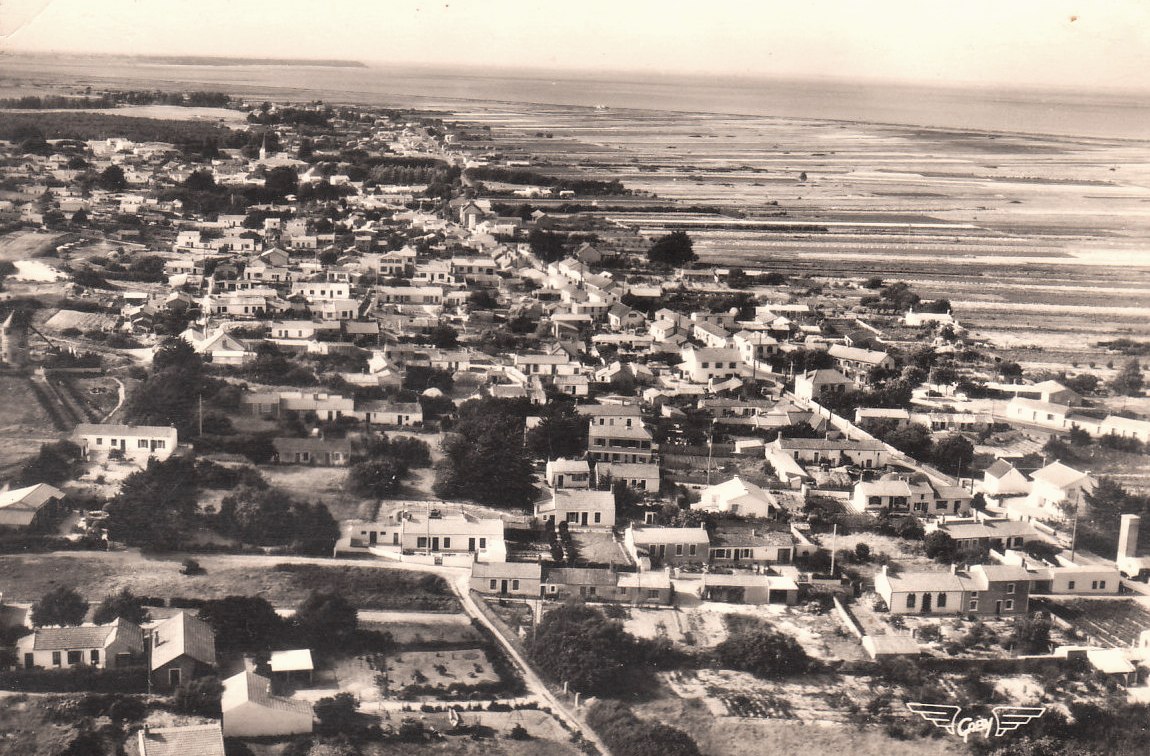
{"type": "Point", "coordinates": [1125, 427]}
{"type": "Point", "coordinates": [974, 539]}
{"type": "Point", "coordinates": [1037, 412]}
{"type": "Point", "coordinates": [755, 346]}
{"type": "Point", "coordinates": [189, 740]}
{"type": "Point", "coordinates": [325, 406]}
{"type": "Point", "coordinates": [899, 417]}
{"type": "Point", "coordinates": [510, 579]}
{"type": "Point", "coordinates": [860, 364]}
{"type": "Point", "coordinates": [816, 385]}
{"type": "Point", "coordinates": [30, 508]}
{"type": "Point", "coordinates": [292, 667]}
{"type": "Point", "coordinates": [183, 647]}
{"type": "Point", "coordinates": [116, 645]}
{"type": "Point", "coordinates": [711, 335]}
{"type": "Point", "coordinates": [737, 496]}
{"type": "Point", "coordinates": [744, 547]}
{"type": "Point", "coordinates": [312, 451]}
{"type": "Point", "coordinates": [134, 442]}
{"type": "Point", "coordinates": [661, 330]}
{"type": "Point", "coordinates": [300, 329]}
{"type": "Point", "coordinates": [893, 493]}
{"type": "Point", "coordinates": [545, 364]}
{"type": "Point", "coordinates": [417, 295]}
{"type": "Point", "coordinates": [637, 475]}
{"type": "Point", "coordinates": [626, 415]}
{"type": "Point", "coordinates": [401, 414]}
{"type": "Point", "coordinates": [834, 451]}
{"type": "Point", "coordinates": [580, 509]}
{"type": "Point", "coordinates": [644, 588]}
{"type": "Point", "coordinates": [588, 583]}
{"type": "Point", "coordinates": [251, 711]}
{"type": "Point", "coordinates": [748, 588]}
{"type": "Point", "coordinates": [572, 385]}
{"type": "Point", "coordinates": [671, 546]}
{"type": "Point", "coordinates": [620, 317]}
{"type": "Point", "coordinates": [568, 473]}
{"type": "Point", "coordinates": [1003, 479]}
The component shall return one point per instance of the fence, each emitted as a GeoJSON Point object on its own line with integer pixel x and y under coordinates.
{"type": "Point", "coordinates": [847, 618]}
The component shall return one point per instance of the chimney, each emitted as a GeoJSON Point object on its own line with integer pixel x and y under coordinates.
{"type": "Point", "coordinates": [954, 569]}
{"type": "Point", "coordinates": [1128, 536]}
{"type": "Point", "coordinates": [884, 569]}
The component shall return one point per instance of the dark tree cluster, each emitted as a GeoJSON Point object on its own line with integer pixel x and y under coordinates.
{"type": "Point", "coordinates": [484, 457]}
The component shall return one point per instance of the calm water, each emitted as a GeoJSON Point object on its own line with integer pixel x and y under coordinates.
{"type": "Point", "coordinates": [1104, 115]}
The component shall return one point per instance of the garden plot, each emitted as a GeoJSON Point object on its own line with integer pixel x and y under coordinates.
{"type": "Point", "coordinates": [815, 699]}
{"type": "Point", "coordinates": [1111, 623]}
{"type": "Point", "coordinates": [437, 669]}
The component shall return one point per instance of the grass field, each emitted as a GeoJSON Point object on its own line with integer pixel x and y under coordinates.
{"type": "Point", "coordinates": [97, 574]}
{"type": "Point", "coordinates": [733, 736]}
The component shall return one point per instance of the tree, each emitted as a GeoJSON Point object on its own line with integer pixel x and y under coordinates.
{"type": "Point", "coordinates": [562, 432]}
{"type": "Point", "coordinates": [940, 546]}
{"type": "Point", "coordinates": [156, 505]}
{"type": "Point", "coordinates": [337, 714]}
{"type": "Point", "coordinates": [281, 181]}
{"type": "Point", "coordinates": [59, 606]}
{"type": "Point", "coordinates": [953, 454]}
{"type": "Point", "coordinates": [484, 459]}
{"type": "Point", "coordinates": [124, 605]}
{"type": "Point", "coordinates": [376, 478]}
{"type": "Point", "coordinates": [200, 181]}
{"type": "Point", "coordinates": [55, 464]}
{"type": "Point", "coordinates": [1129, 380]}
{"type": "Point", "coordinates": [762, 651]}
{"type": "Point", "coordinates": [243, 623]}
{"type": "Point", "coordinates": [443, 336]}
{"type": "Point", "coordinates": [200, 697]}
{"type": "Point", "coordinates": [625, 733]}
{"type": "Point", "coordinates": [913, 439]}
{"type": "Point", "coordinates": [675, 249]}
{"type": "Point", "coordinates": [1030, 634]}
{"type": "Point", "coordinates": [326, 620]}
{"type": "Point", "coordinates": [113, 179]}
{"type": "Point", "coordinates": [576, 644]}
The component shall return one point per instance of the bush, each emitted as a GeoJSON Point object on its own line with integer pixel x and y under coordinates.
{"type": "Point", "coordinates": [624, 733]}
{"type": "Point", "coordinates": [75, 679]}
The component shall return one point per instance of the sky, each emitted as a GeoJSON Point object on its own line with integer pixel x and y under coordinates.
{"type": "Point", "coordinates": [1016, 43]}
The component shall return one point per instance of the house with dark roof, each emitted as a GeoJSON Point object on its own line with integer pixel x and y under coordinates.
{"type": "Point", "coordinates": [30, 508]}
{"type": "Point", "coordinates": [182, 648]}
{"type": "Point", "coordinates": [578, 508]}
{"type": "Point", "coordinates": [512, 579]}
{"type": "Point", "coordinates": [116, 645]}
{"type": "Point", "coordinates": [312, 451]}
{"type": "Point", "coordinates": [738, 546]}
{"type": "Point", "coordinates": [191, 740]}
{"type": "Point", "coordinates": [1003, 479]}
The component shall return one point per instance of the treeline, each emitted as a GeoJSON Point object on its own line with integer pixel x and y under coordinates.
{"type": "Point", "coordinates": [86, 126]}
{"type": "Point", "coordinates": [579, 186]}
{"type": "Point", "coordinates": [55, 102]}
{"type": "Point", "coordinates": [112, 98]}
{"type": "Point", "coordinates": [292, 117]}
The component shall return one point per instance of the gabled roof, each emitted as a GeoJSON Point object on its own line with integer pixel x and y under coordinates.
{"type": "Point", "coordinates": [87, 636]}
{"type": "Point", "coordinates": [1058, 474]}
{"type": "Point", "coordinates": [522, 570]}
{"type": "Point", "coordinates": [296, 660]}
{"type": "Point", "coordinates": [999, 469]}
{"type": "Point", "coordinates": [854, 354]}
{"type": "Point", "coordinates": [194, 740]}
{"type": "Point", "coordinates": [671, 535]}
{"type": "Point", "coordinates": [248, 687]}
{"type": "Point", "coordinates": [127, 431]}
{"type": "Point", "coordinates": [183, 635]}
{"type": "Point", "coordinates": [30, 498]}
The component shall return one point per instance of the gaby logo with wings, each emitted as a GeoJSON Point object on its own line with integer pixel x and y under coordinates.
{"type": "Point", "coordinates": [1002, 719]}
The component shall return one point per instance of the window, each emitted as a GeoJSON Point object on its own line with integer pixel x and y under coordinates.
{"type": "Point", "coordinates": [142, 443]}
{"type": "Point", "coordinates": [1093, 585]}
{"type": "Point", "coordinates": [1102, 584]}
{"type": "Point", "coordinates": [483, 543]}
{"type": "Point", "coordinates": [653, 593]}
{"type": "Point", "coordinates": [447, 542]}
{"type": "Point", "coordinates": [1010, 587]}
{"type": "Point", "coordinates": [591, 591]}
{"type": "Point", "coordinates": [693, 549]}
{"type": "Point", "coordinates": [55, 658]}
{"type": "Point", "coordinates": [99, 442]}
{"type": "Point", "coordinates": [552, 589]}
{"type": "Point", "coordinates": [941, 603]}
{"type": "Point", "coordinates": [1070, 585]}
{"type": "Point", "coordinates": [598, 517]}
{"type": "Point", "coordinates": [75, 657]}
{"type": "Point", "coordinates": [746, 553]}
{"type": "Point", "coordinates": [94, 657]}
{"type": "Point", "coordinates": [940, 505]}
{"type": "Point", "coordinates": [973, 605]}
{"type": "Point", "coordinates": [492, 584]}
{"type": "Point", "coordinates": [158, 445]}
{"type": "Point", "coordinates": [514, 585]}
{"type": "Point", "coordinates": [910, 599]}
{"type": "Point", "coordinates": [1009, 604]}
{"type": "Point", "coordinates": [421, 542]}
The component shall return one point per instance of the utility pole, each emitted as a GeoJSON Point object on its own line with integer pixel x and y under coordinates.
{"type": "Point", "coordinates": [834, 539]}
{"type": "Point", "coordinates": [201, 414]}
{"type": "Point", "coordinates": [710, 450]}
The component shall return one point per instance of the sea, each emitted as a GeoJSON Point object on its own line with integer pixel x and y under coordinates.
{"type": "Point", "coordinates": [1100, 114]}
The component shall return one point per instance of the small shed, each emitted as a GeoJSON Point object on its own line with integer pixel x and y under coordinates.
{"type": "Point", "coordinates": [294, 666]}
{"type": "Point", "coordinates": [886, 646]}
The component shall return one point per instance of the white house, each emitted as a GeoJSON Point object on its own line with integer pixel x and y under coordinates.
{"type": "Point", "coordinates": [1058, 484]}
{"type": "Point", "coordinates": [737, 496]}
{"type": "Point", "coordinates": [116, 645]}
{"type": "Point", "coordinates": [251, 711]}
{"type": "Point", "coordinates": [705, 365]}
{"type": "Point", "coordinates": [135, 442]}
{"type": "Point", "coordinates": [637, 475]}
{"type": "Point", "coordinates": [1003, 479]}
{"type": "Point", "coordinates": [568, 473]}
{"type": "Point", "coordinates": [582, 509]}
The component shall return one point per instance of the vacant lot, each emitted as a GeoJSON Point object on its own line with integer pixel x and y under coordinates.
{"type": "Point", "coordinates": [96, 574]}
{"type": "Point", "coordinates": [315, 484]}
{"type": "Point", "coordinates": [720, 734]}
{"type": "Point", "coordinates": [24, 423]}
